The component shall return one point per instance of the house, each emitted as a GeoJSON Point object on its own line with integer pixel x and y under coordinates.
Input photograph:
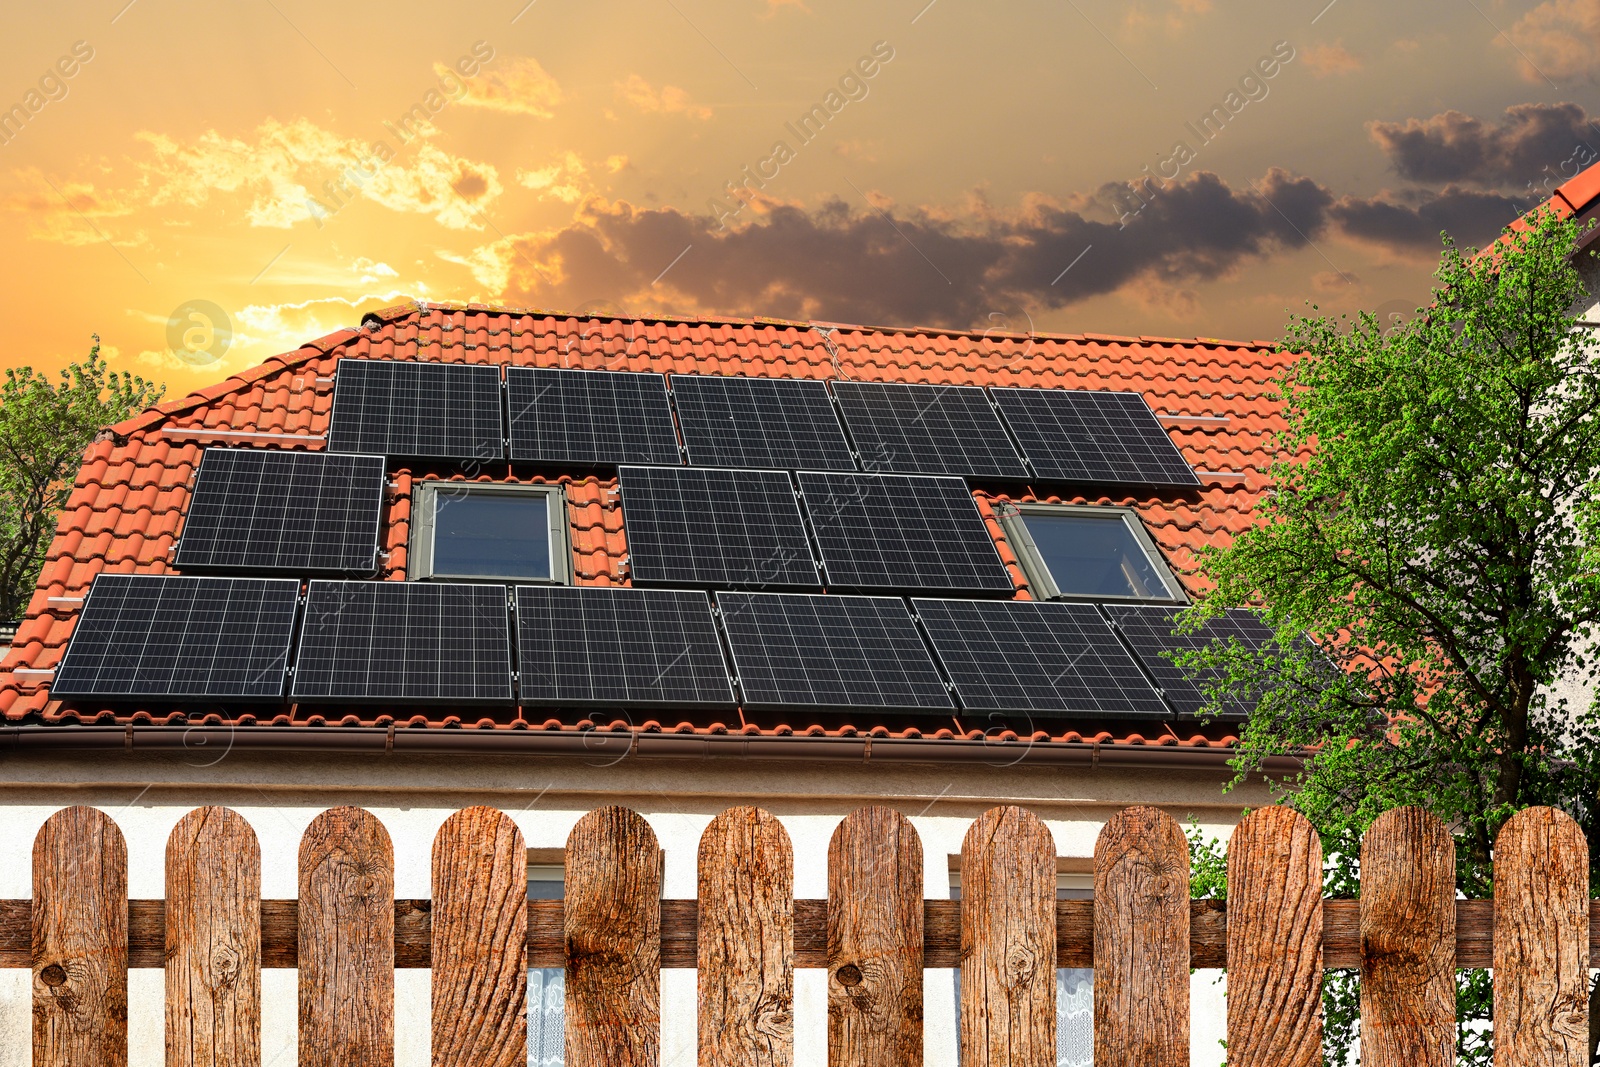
{"type": "Point", "coordinates": [865, 586]}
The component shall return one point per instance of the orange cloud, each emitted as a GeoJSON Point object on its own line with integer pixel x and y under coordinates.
{"type": "Point", "coordinates": [1558, 39]}
{"type": "Point", "coordinates": [518, 86]}
{"type": "Point", "coordinates": [1327, 59]}
{"type": "Point", "coordinates": [668, 100]}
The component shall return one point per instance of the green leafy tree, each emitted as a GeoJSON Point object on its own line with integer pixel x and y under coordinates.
{"type": "Point", "coordinates": [1432, 533]}
{"type": "Point", "coordinates": [44, 428]}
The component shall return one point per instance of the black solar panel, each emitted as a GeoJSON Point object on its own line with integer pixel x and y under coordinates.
{"type": "Point", "coordinates": [148, 635]}
{"type": "Point", "coordinates": [927, 429]}
{"type": "Point", "coordinates": [1047, 659]}
{"type": "Point", "coordinates": [404, 641]}
{"type": "Point", "coordinates": [714, 527]}
{"type": "Point", "coordinates": [782, 423]}
{"type": "Point", "coordinates": [901, 531]}
{"type": "Point", "coordinates": [1082, 436]}
{"type": "Point", "coordinates": [793, 650]}
{"type": "Point", "coordinates": [417, 410]}
{"type": "Point", "coordinates": [1149, 631]}
{"type": "Point", "coordinates": [309, 512]}
{"type": "Point", "coordinates": [590, 416]}
{"type": "Point", "coordinates": [619, 646]}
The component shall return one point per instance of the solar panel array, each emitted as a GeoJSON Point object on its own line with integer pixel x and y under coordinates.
{"type": "Point", "coordinates": [698, 526]}
{"type": "Point", "coordinates": [402, 641]}
{"type": "Point", "coordinates": [901, 531]}
{"type": "Point", "coordinates": [796, 650]}
{"type": "Point", "coordinates": [619, 646]}
{"type": "Point", "coordinates": [927, 429]}
{"type": "Point", "coordinates": [1049, 659]}
{"type": "Point", "coordinates": [1078, 435]}
{"type": "Point", "coordinates": [417, 410]}
{"type": "Point", "coordinates": [149, 635]}
{"type": "Point", "coordinates": [264, 509]}
{"type": "Point", "coordinates": [584, 416]}
{"type": "Point", "coordinates": [1149, 631]}
{"type": "Point", "coordinates": [780, 423]}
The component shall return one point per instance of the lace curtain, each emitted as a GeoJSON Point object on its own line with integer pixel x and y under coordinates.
{"type": "Point", "coordinates": [547, 996]}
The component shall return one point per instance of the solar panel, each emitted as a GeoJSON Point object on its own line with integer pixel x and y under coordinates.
{"type": "Point", "coordinates": [1048, 659]}
{"type": "Point", "coordinates": [149, 635]}
{"type": "Point", "coordinates": [258, 509]}
{"type": "Point", "coordinates": [714, 527]}
{"type": "Point", "coordinates": [927, 429]}
{"type": "Point", "coordinates": [901, 531]}
{"type": "Point", "coordinates": [404, 641]}
{"type": "Point", "coordinates": [796, 650]}
{"type": "Point", "coordinates": [590, 416]}
{"type": "Point", "coordinates": [1083, 436]}
{"type": "Point", "coordinates": [417, 410]}
{"type": "Point", "coordinates": [619, 646]}
{"type": "Point", "coordinates": [782, 423]}
{"type": "Point", "coordinates": [1149, 631]}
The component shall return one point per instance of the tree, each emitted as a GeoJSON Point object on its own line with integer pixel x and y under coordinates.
{"type": "Point", "coordinates": [1434, 533]}
{"type": "Point", "coordinates": [44, 429]}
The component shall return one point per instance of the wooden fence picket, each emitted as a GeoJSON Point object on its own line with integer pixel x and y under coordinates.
{"type": "Point", "coordinates": [746, 941]}
{"type": "Point", "coordinates": [213, 921]}
{"type": "Point", "coordinates": [346, 956]}
{"type": "Point", "coordinates": [612, 926]}
{"type": "Point", "coordinates": [1408, 941]}
{"type": "Point", "coordinates": [80, 941]}
{"type": "Point", "coordinates": [1541, 941]}
{"type": "Point", "coordinates": [1274, 941]}
{"type": "Point", "coordinates": [480, 941]}
{"type": "Point", "coordinates": [1008, 941]}
{"type": "Point", "coordinates": [1141, 941]}
{"type": "Point", "coordinates": [875, 941]}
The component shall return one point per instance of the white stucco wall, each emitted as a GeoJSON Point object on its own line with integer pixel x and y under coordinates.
{"type": "Point", "coordinates": [280, 795]}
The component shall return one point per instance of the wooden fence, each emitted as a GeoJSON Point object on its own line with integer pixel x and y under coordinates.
{"type": "Point", "coordinates": [875, 934]}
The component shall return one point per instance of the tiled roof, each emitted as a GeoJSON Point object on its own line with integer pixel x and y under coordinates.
{"type": "Point", "coordinates": [126, 508]}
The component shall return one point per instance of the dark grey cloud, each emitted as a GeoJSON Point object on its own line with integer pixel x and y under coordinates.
{"type": "Point", "coordinates": [1538, 145]}
{"type": "Point", "coordinates": [1472, 218]}
{"type": "Point", "coordinates": [858, 264]}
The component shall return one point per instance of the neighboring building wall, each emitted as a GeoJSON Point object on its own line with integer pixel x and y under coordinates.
{"type": "Point", "coordinates": [280, 795]}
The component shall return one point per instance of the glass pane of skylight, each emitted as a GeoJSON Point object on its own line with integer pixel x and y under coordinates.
{"type": "Point", "coordinates": [491, 535]}
{"type": "Point", "coordinates": [1089, 555]}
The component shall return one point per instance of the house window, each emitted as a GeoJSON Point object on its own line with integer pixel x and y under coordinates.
{"type": "Point", "coordinates": [490, 533]}
{"type": "Point", "coordinates": [1076, 551]}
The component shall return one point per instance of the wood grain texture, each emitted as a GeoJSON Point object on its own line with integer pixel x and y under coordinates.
{"type": "Point", "coordinates": [480, 941]}
{"type": "Point", "coordinates": [1274, 954]}
{"type": "Point", "coordinates": [80, 941]}
{"type": "Point", "coordinates": [746, 941]}
{"type": "Point", "coordinates": [1408, 933]}
{"type": "Point", "coordinates": [1008, 941]}
{"type": "Point", "coordinates": [612, 926]}
{"type": "Point", "coordinates": [875, 941]}
{"type": "Point", "coordinates": [1541, 941]}
{"type": "Point", "coordinates": [213, 941]}
{"type": "Point", "coordinates": [1141, 941]}
{"type": "Point", "coordinates": [346, 950]}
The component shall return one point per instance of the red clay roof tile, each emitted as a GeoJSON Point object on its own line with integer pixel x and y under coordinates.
{"type": "Point", "coordinates": [126, 507]}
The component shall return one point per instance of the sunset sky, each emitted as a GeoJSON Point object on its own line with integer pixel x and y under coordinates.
{"type": "Point", "coordinates": [294, 164]}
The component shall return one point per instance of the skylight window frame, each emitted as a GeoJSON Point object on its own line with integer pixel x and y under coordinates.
{"type": "Point", "coordinates": [1014, 521]}
{"type": "Point", "coordinates": [424, 531]}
